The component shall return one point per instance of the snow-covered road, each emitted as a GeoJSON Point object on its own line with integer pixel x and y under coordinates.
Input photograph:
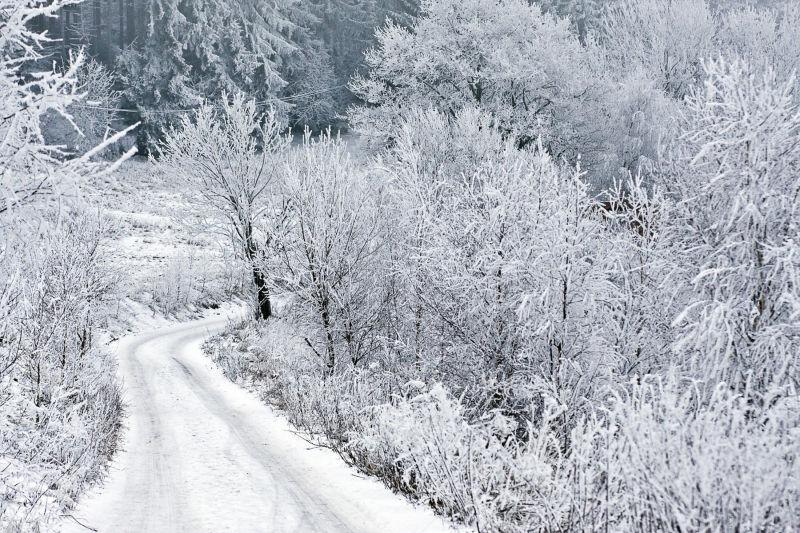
{"type": "Point", "coordinates": [201, 454]}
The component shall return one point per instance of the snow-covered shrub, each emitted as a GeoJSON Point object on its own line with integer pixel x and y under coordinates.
{"type": "Point", "coordinates": [658, 459]}
{"type": "Point", "coordinates": [274, 360]}
{"type": "Point", "coordinates": [328, 255]}
{"type": "Point", "coordinates": [174, 289]}
{"type": "Point", "coordinates": [735, 225]}
{"type": "Point", "coordinates": [750, 33]}
{"type": "Point", "coordinates": [262, 355]}
{"type": "Point", "coordinates": [60, 403]}
{"type": "Point", "coordinates": [678, 461]}
{"type": "Point", "coordinates": [425, 446]}
{"type": "Point", "coordinates": [52, 452]}
{"type": "Point", "coordinates": [188, 282]}
{"type": "Point", "coordinates": [481, 471]}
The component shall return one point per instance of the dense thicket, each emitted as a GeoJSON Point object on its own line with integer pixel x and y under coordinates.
{"type": "Point", "coordinates": [60, 403]}
{"type": "Point", "coordinates": [564, 295]}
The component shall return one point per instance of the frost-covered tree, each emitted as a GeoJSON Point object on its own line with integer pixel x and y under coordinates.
{"type": "Point", "coordinates": [544, 357]}
{"type": "Point", "coordinates": [647, 287]}
{"type": "Point", "coordinates": [750, 33]}
{"type": "Point", "coordinates": [763, 36]}
{"type": "Point", "coordinates": [155, 75]}
{"type": "Point", "coordinates": [734, 174]}
{"type": "Point", "coordinates": [641, 118]}
{"type": "Point", "coordinates": [198, 50]}
{"type": "Point", "coordinates": [29, 166]}
{"type": "Point", "coordinates": [226, 156]}
{"type": "Point", "coordinates": [667, 39]}
{"type": "Point", "coordinates": [566, 307]}
{"type": "Point", "coordinates": [329, 255]}
{"type": "Point", "coordinates": [525, 68]}
{"type": "Point", "coordinates": [507, 261]}
{"type": "Point", "coordinates": [93, 115]}
{"type": "Point", "coordinates": [428, 152]}
{"type": "Point", "coordinates": [462, 195]}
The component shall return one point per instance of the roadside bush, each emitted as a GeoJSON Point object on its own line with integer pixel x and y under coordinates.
{"type": "Point", "coordinates": [189, 282]}
{"type": "Point", "coordinates": [60, 403]}
{"type": "Point", "coordinates": [276, 362]}
{"type": "Point", "coordinates": [658, 459]}
{"type": "Point", "coordinates": [176, 288]}
{"type": "Point", "coordinates": [682, 463]}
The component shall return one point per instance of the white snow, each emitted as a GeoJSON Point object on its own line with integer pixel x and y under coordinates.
{"type": "Point", "coordinates": [201, 454]}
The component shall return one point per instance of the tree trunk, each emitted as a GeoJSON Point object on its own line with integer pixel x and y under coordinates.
{"type": "Point", "coordinates": [63, 18]}
{"type": "Point", "coordinates": [130, 21]}
{"type": "Point", "coordinates": [121, 25]}
{"type": "Point", "coordinates": [330, 354]}
{"type": "Point", "coordinates": [264, 304]}
{"type": "Point", "coordinates": [97, 15]}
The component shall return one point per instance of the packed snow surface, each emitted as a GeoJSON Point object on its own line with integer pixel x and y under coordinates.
{"type": "Point", "coordinates": [201, 454]}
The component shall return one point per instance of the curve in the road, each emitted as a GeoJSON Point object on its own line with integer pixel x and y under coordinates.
{"type": "Point", "coordinates": [200, 454]}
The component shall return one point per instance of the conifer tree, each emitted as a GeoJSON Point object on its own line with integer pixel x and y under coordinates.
{"type": "Point", "coordinates": [200, 49]}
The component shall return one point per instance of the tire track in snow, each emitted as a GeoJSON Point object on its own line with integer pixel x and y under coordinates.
{"type": "Point", "coordinates": [200, 454]}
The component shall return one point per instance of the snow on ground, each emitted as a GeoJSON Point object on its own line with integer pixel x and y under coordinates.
{"type": "Point", "coordinates": [201, 454]}
{"type": "Point", "coordinates": [163, 266]}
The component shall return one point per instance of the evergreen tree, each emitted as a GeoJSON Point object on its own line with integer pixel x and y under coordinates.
{"type": "Point", "coordinates": [348, 29]}
{"type": "Point", "coordinates": [197, 50]}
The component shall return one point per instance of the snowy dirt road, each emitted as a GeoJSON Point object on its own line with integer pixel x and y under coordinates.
{"type": "Point", "coordinates": [201, 454]}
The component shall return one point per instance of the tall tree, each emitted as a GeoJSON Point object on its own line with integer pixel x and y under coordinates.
{"type": "Point", "coordinates": [735, 169]}
{"type": "Point", "coordinates": [509, 59]}
{"type": "Point", "coordinates": [225, 157]}
{"type": "Point", "coordinates": [199, 49]}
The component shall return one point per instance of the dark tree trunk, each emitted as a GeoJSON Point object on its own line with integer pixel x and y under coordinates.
{"type": "Point", "coordinates": [264, 310]}
{"type": "Point", "coordinates": [97, 30]}
{"type": "Point", "coordinates": [130, 21]}
{"type": "Point", "coordinates": [63, 18]}
{"type": "Point", "coordinates": [121, 25]}
{"type": "Point", "coordinates": [330, 353]}
{"type": "Point", "coordinates": [260, 281]}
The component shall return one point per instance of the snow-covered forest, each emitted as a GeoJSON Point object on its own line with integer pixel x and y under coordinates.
{"type": "Point", "coordinates": [533, 265]}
